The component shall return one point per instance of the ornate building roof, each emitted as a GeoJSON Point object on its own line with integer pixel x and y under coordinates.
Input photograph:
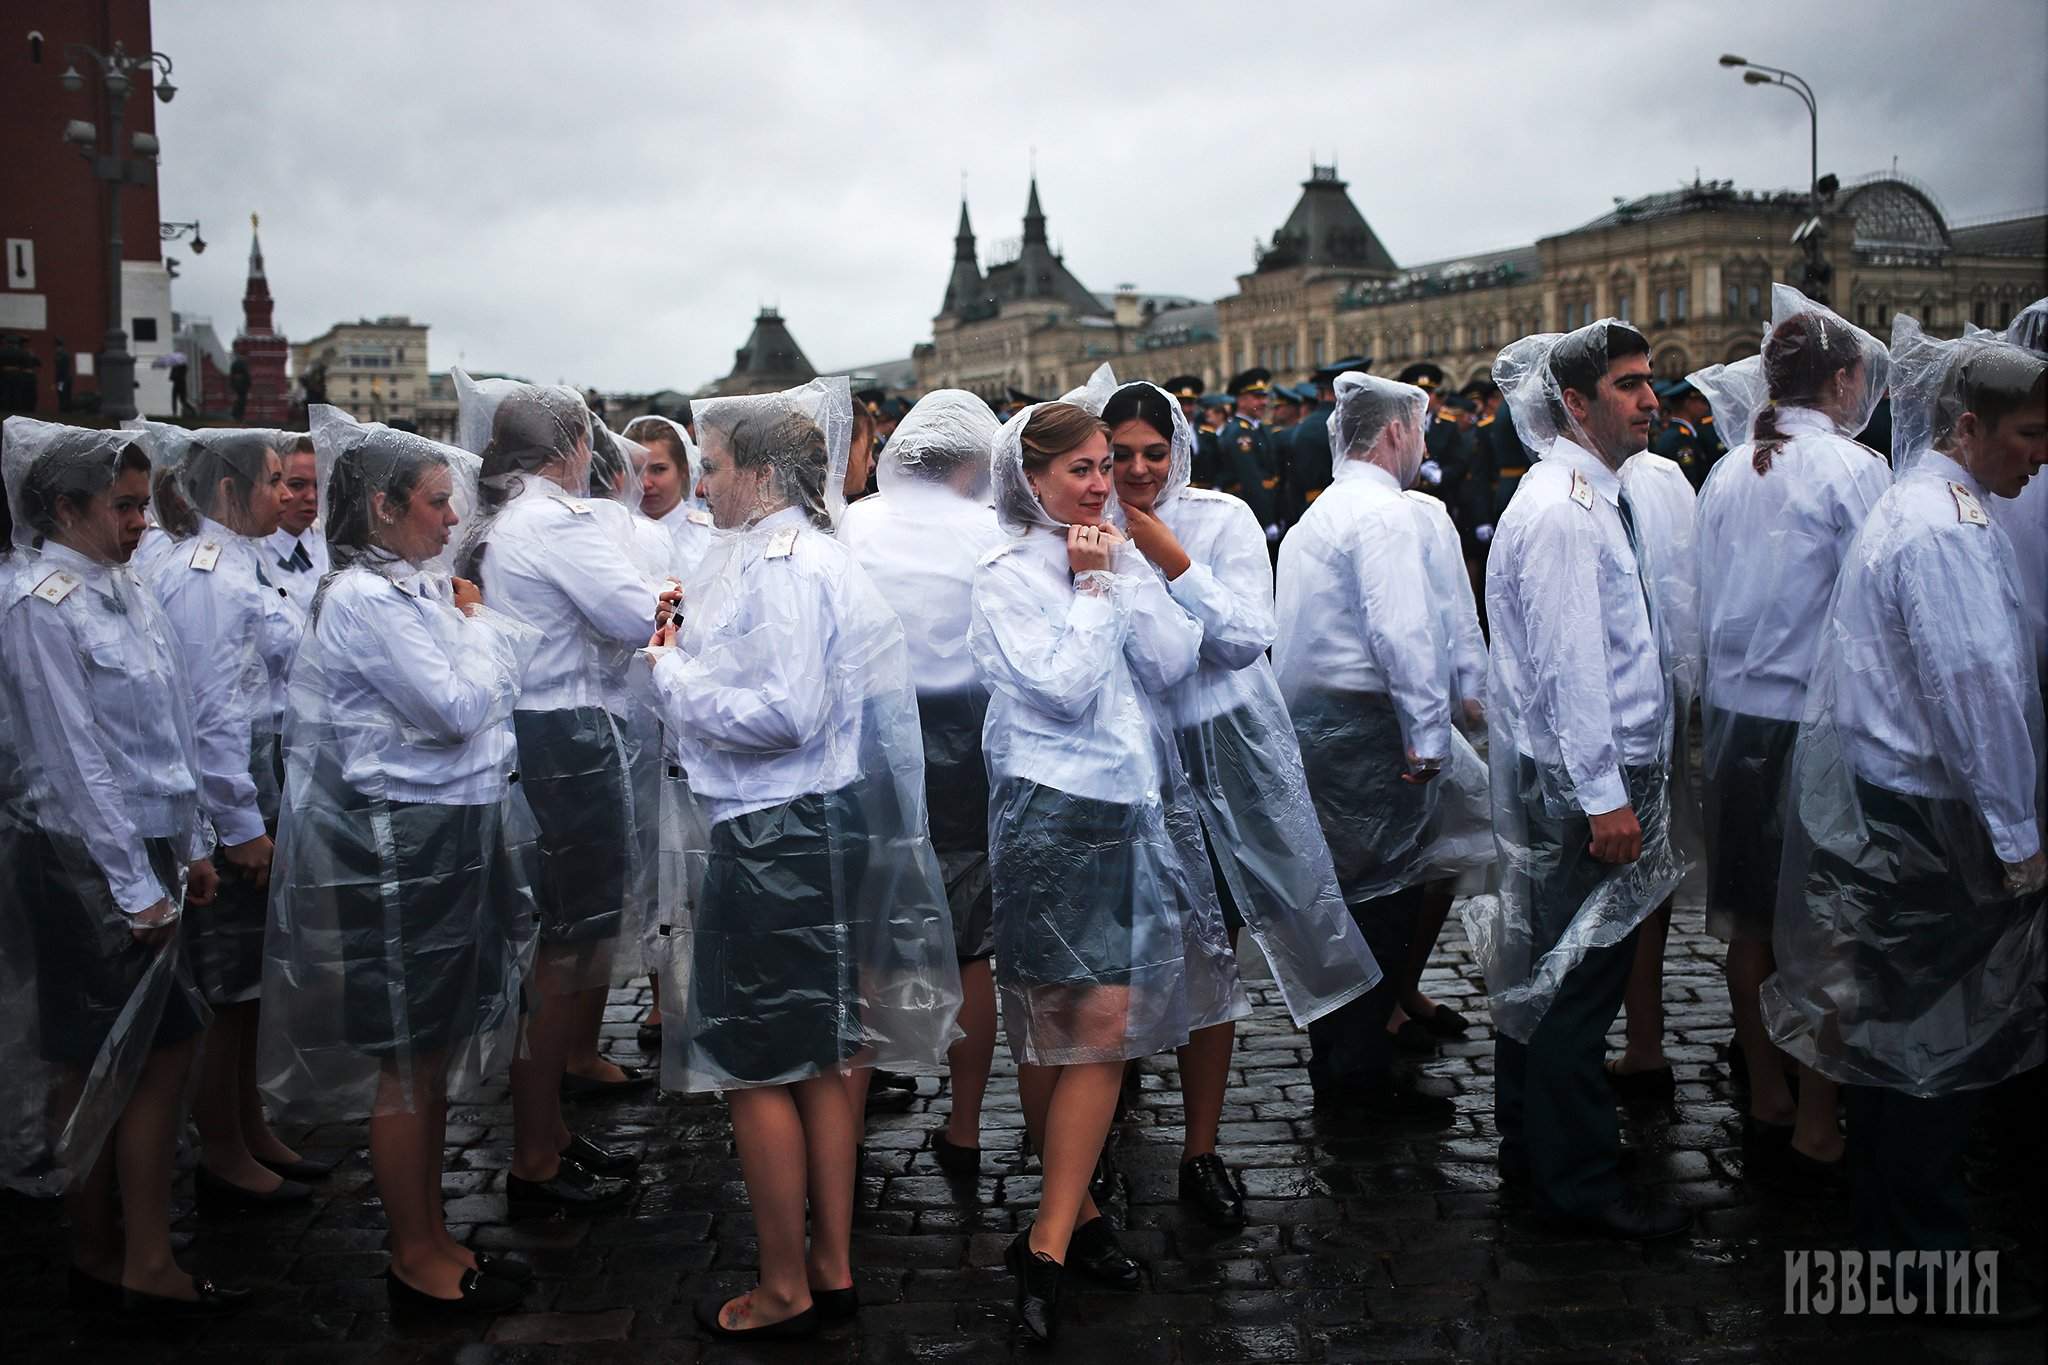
{"type": "Point", "coordinates": [1325, 229]}
{"type": "Point", "coordinates": [770, 360]}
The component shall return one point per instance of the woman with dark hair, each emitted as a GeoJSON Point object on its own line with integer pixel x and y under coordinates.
{"type": "Point", "coordinates": [819, 944]}
{"type": "Point", "coordinates": [1269, 864]}
{"type": "Point", "coordinates": [548, 559]}
{"type": "Point", "coordinates": [392, 965]}
{"type": "Point", "coordinates": [1101, 893]}
{"type": "Point", "coordinates": [110, 849]}
{"type": "Point", "coordinates": [238, 632]}
{"type": "Point", "coordinates": [1775, 520]}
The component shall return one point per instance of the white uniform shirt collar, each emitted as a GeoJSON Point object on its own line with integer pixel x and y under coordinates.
{"type": "Point", "coordinates": [1799, 421]}
{"type": "Point", "coordinates": [83, 566]}
{"type": "Point", "coordinates": [1567, 452]}
{"type": "Point", "coordinates": [788, 516]}
{"type": "Point", "coordinates": [1948, 468]}
{"type": "Point", "coordinates": [1365, 469]}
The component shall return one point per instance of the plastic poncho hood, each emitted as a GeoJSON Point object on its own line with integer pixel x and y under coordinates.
{"type": "Point", "coordinates": [949, 430]}
{"type": "Point", "coordinates": [801, 438]}
{"type": "Point", "coordinates": [358, 461]}
{"type": "Point", "coordinates": [1380, 422]}
{"type": "Point", "coordinates": [1737, 393]}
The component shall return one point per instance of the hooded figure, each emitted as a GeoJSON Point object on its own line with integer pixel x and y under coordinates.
{"type": "Point", "coordinates": [1580, 726]}
{"type": "Point", "coordinates": [1912, 922]}
{"type": "Point", "coordinates": [1736, 392]}
{"type": "Point", "coordinates": [669, 489]}
{"type": "Point", "coordinates": [2025, 518]}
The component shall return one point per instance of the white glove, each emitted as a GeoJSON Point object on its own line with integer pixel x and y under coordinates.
{"type": "Point", "coordinates": [1431, 474]}
{"type": "Point", "coordinates": [1273, 533]}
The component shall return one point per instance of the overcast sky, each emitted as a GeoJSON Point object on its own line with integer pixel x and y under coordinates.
{"type": "Point", "coordinates": [605, 193]}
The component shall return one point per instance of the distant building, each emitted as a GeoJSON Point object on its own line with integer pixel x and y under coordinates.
{"type": "Point", "coordinates": [373, 368]}
{"type": "Point", "coordinates": [260, 349]}
{"type": "Point", "coordinates": [771, 360]}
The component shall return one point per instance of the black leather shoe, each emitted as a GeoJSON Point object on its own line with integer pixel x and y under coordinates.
{"type": "Point", "coordinates": [213, 1302]}
{"type": "Point", "coordinates": [479, 1293]}
{"type": "Point", "coordinates": [1778, 1164]}
{"type": "Point", "coordinates": [1415, 1039]}
{"type": "Point", "coordinates": [504, 1268]}
{"type": "Point", "coordinates": [648, 1036]}
{"type": "Point", "coordinates": [1038, 1289]}
{"type": "Point", "coordinates": [634, 1080]}
{"type": "Point", "coordinates": [1095, 1252]}
{"type": "Point", "coordinates": [215, 1197]}
{"type": "Point", "coordinates": [305, 1168]}
{"type": "Point", "coordinates": [961, 1162]}
{"type": "Point", "coordinates": [889, 1080]}
{"type": "Point", "coordinates": [835, 1305]}
{"type": "Point", "coordinates": [600, 1160]}
{"type": "Point", "coordinates": [1446, 1022]}
{"type": "Point", "coordinates": [90, 1295]}
{"type": "Point", "coordinates": [1206, 1187]}
{"type": "Point", "coordinates": [1390, 1104]}
{"type": "Point", "coordinates": [1102, 1184]}
{"type": "Point", "coordinates": [573, 1190]}
{"type": "Point", "coordinates": [1635, 1217]}
{"type": "Point", "coordinates": [1655, 1089]}
{"type": "Point", "coordinates": [804, 1324]}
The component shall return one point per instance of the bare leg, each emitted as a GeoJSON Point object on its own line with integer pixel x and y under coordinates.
{"type": "Point", "coordinates": [263, 1143]}
{"type": "Point", "coordinates": [831, 1131]}
{"type": "Point", "coordinates": [971, 1058]}
{"type": "Point", "coordinates": [654, 1011]}
{"type": "Point", "coordinates": [537, 1127]}
{"type": "Point", "coordinates": [1035, 1086]}
{"type": "Point", "coordinates": [1644, 997]}
{"type": "Point", "coordinates": [217, 1108]}
{"type": "Point", "coordinates": [89, 1201]}
{"type": "Point", "coordinates": [1815, 1131]}
{"type": "Point", "coordinates": [587, 1021]}
{"type": "Point", "coordinates": [1770, 1098]}
{"type": "Point", "coordinates": [145, 1141]}
{"type": "Point", "coordinates": [854, 1080]}
{"type": "Point", "coordinates": [769, 1132]}
{"type": "Point", "coordinates": [1077, 1119]}
{"type": "Point", "coordinates": [1429, 926]}
{"type": "Point", "coordinates": [405, 1160]}
{"type": "Point", "coordinates": [1204, 1076]}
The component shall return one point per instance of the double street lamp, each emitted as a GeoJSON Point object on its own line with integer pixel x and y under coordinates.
{"type": "Point", "coordinates": [1811, 233]}
{"type": "Point", "coordinates": [118, 73]}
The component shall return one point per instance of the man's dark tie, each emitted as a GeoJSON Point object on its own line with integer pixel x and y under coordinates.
{"type": "Point", "coordinates": [298, 561]}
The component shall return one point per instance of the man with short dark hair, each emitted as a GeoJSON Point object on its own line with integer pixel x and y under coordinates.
{"type": "Point", "coordinates": [1580, 716]}
{"type": "Point", "coordinates": [1246, 465]}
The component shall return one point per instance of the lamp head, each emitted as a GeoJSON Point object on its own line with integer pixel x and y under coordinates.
{"type": "Point", "coordinates": [71, 80]}
{"type": "Point", "coordinates": [1730, 59]}
{"type": "Point", "coordinates": [198, 242]}
{"type": "Point", "coordinates": [165, 90]}
{"type": "Point", "coordinates": [1755, 78]}
{"type": "Point", "coordinates": [116, 81]}
{"type": "Point", "coordinates": [81, 134]}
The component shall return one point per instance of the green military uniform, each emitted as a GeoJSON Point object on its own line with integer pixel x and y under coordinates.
{"type": "Point", "coordinates": [1248, 466]}
{"type": "Point", "coordinates": [1680, 442]}
{"type": "Point", "coordinates": [1510, 461]}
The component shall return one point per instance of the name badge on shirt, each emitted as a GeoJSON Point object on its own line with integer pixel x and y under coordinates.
{"type": "Point", "coordinates": [56, 587]}
{"type": "Point", "coordinates": [783, 545]}
{"type": "Point", "coordinates": [1582, 489]}
{"type": "Point", "coordinates": [1968, 510]}
{"type": "Point", "coordinates": [700, 517]}
{"type": "Point", "coordinates": [206, 556]}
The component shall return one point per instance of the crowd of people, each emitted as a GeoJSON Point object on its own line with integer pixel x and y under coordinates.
{"type": "Point", "coordinates": [344, 770]}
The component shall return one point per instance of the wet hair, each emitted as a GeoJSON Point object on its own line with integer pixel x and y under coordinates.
{"type": "Point", "coordinates": [1140, 403]}
{"type": "Point", "coordinates": [1801, 355]}
{"type": "Point", "coordinates": [240, 457]}
{"type": "Point", "coordinates": [1581, 359]}
{"type": "Point", "coordinates": [792, 448]}
{"type": "Point", "coordinates": [656, 433]}
{"type": "Point", "coordinates": [1993, 383]}
{"type": "Point", "coordinates": [370, 462]}
{"type": "Point", "coordinates": [607, 462]}
{"type": "Point", "coordinates": [174, 514]}
{"type": "Point", "coordinates": [77, 467]}
{"type": "Point", "coordinates": [531, 428]}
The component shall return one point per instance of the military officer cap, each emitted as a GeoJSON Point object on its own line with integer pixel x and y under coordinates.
{"type": "Point", "coordinates": [1215, 400]}
{"type": "Point", "coordinates": [1457, 402]}
{"type": "Point", "coordinates": [1423, 375]}
{"type": "Point", "coordinates": [898, 408]}
{"type": "Point", "coordinates": [1305, 391]}
{"type": "Point", "coordinates": [1254, 380]}
{"type": "Point", "coordinates": [1019, 396]}
{"type": "Point", "coordinates": [1184, 386]}
{"type": "Point", "coordinates": [1327, 374]}
{"type": "Point", "coordinates": [871, 399]}
{"type": "Point", "coordinates": [1481, 388]}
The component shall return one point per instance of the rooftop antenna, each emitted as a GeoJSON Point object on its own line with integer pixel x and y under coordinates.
{"type": "Point", "coordinates": [1034, 162]}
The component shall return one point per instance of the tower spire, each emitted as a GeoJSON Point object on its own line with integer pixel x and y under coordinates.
{"type": "Point", "coordinates": [1034, 216]}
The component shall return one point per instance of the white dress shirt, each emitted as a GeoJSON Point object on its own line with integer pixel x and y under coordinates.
{"type": "Point", "coordinates": [919, 545]}
{"type": "Point", "coordinates": [1575, 674]}
{"type": "Point", "coordinates": [1663, 502]}
{"type": "Point", "coordinates": [1228, 590]}
{"type": "Point", "coordinates": [1935, 676]}
{"type": "Point", "coordinates": [1770, 546]}
{"type": "Point", "coordinates": [282, 547]}
{"type": "Point", "coordinates": [236, 643]}
{"type": "Point", "coordinates": [558, 564]}
{"type": "Point", "coordinates": [416, 697]}
{"type": "Point", "coordinates": [1069, 669]}
{"type": "Point", "coordinates": [690, 525]}
{"type": "Point", "coordinates": [1355, 605]}
{"type": "Point", "coordinates": [762, 690]}
{"type": "Point", "coordinates": [1451, 587]}
{"type": "Point", "coordinates": [2025, 519]}
{"type": "Point", "coordinates": [103, 724]}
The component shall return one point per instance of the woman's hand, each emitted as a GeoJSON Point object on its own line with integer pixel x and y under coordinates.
{"type": "Point", "coordinates": [669, 605]}
{"type": "Point", "coordinates": [468, 596]}
{"type": "Point", "coordinates": [1091, 549]}
{"type": "Point", "coordinates": [202, 882]}
{"type": "Point", "coordinates": [664, 636]}
{"type": "Point", "coordinates": [251, 859]}
{"type": "Point", "coordinates": [1157, 542]}
{"type": "Point", "coordinates": [154, 926]}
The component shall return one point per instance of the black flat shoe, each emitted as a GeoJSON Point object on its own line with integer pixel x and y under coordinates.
{"type": "Point", "coordinates": [634, 1079]}
{"type": "Point", "coordinates": [1038, 1289]}
{"type": "Point", "coordinates": [835, 1305]}
{"type": "Point", "coordinates": [804, 1324]}
{"type": "Point", "coordinates": [1206, 1187]}
{"type": "Point", "coordinates": [1415, 1039]}
{"type": "Point", "coordinates": [1653, 1089]}
{"type": "Point", "coordinates": [1635, 1217]}
{"type": "Point", "coordinates": [648, 1036]}
{"type": "Point", "coordinates": [1389, 1104]}
{"type": "Point", "coordinates": [889, 1080]}
{"type": "Point", "coordinates": [1094, 1251]}
{"type": "Point", "coordinates": [480, 1293]}
{"type": "Point", "coordinates": [305, 1168]}
{"type": "Point", "coordinates": [213, 1302]}
{"type": "Point", "coordinates": [884, 1100]}
{"type": "Point", "coordinates": [215, 1197]}
{"type": "Point", "coordinates": [1446, 1022]}
{"type": "Point", "coordinates": [963, 1162]}
{"type": "Point", "coordinates": [573, 1190]}
{"type": "Point", "coordinates": [504, 1268]}
{"type": "Point", "coordinates": [89, 1295]}
{"type": "Point", "coordinates": [600, 1160]}
{"type": "Point", "coordinates": [1102, 1184]}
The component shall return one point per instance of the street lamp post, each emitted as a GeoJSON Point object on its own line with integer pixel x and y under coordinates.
{"type": "Point", "coordinates": [1810, 235]}
{"type": "Point", "coordinates": [116, 74]}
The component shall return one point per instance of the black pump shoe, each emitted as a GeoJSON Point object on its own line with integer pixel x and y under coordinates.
{"type": "Point", "coordinates": [961, 1162]}
{"type": "Point", "coordinates": [632, 1080]}
{"type": "Point", "coordinates": [90, 1295]}
{"type": "Point", "coordinates": [1206, 1187]}
{"type": "Point", "coordinates": [1038, 1288]}
{"type": "Point", "coordinates": [305, 1168]}
{"type": "Point", "coordinates": [214, 1196]}
{"type": "Point", "coordinates": [1095, 1252]}
{"type": "Point", "coordinates": [572, 1190]}
{"type": "Point", "coordinates": [835, 1305]}
{"type": "Point", "coordinates": [212, 1302]}
{"type": "Point", "coordinates": [480, 1293]}
{"type": "Point", "coordinates": [505, 1268]}
{"type": "Point", "coordinates": [600, 1160]}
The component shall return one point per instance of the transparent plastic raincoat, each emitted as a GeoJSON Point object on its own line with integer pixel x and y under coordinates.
{"type": "Point", "coordinates": [1579, 709]}
{"type": "Point", "coordinates": [1366, 660]}
{"type": "Point", "coordinates": [1236, 744]}
{"type": "Point", "coordinates": [1775, 520]}
{"type": "Point", "coordinates": [1737, 393]}
{"type": "Point", "coordinates": [820, 935]}
{"type": "Point", "coordinates": [99, 807]}
{"type": "Point", "coordinates": [689, 522]}
{"type": "Point", "coordinates": [2025, 518]}
{"type": "Point", "coordinates": [401, 915]}
{"type": "Point", "coordinates": [549, 555]}
{"type": "Point", "coordinates": [918, 538]}
{"type": "Point", "coordinates": [1110, 942]}
{"type": "Point", "coordinates": [1912, 922]}
{"type": "Point", "coordinates": [237, 631]}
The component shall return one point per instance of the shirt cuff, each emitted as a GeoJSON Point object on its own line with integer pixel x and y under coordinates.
{"type": "Point", "coordinates": [135, 897]}
{"type": "Point", "coordinates": [1193, 589]}
{"type": "Point", "coordinates": [1603, 793]}
{"type": "Point", "coordinates": [2015, 843]}
{"type": "Point", "coordinates": [1091, 610]}
{"type": "Point", "coordinates": [238, 826]}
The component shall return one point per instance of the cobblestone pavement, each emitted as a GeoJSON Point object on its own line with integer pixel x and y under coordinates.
{"type": "Point", "coordinates": [1386, 1244]}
